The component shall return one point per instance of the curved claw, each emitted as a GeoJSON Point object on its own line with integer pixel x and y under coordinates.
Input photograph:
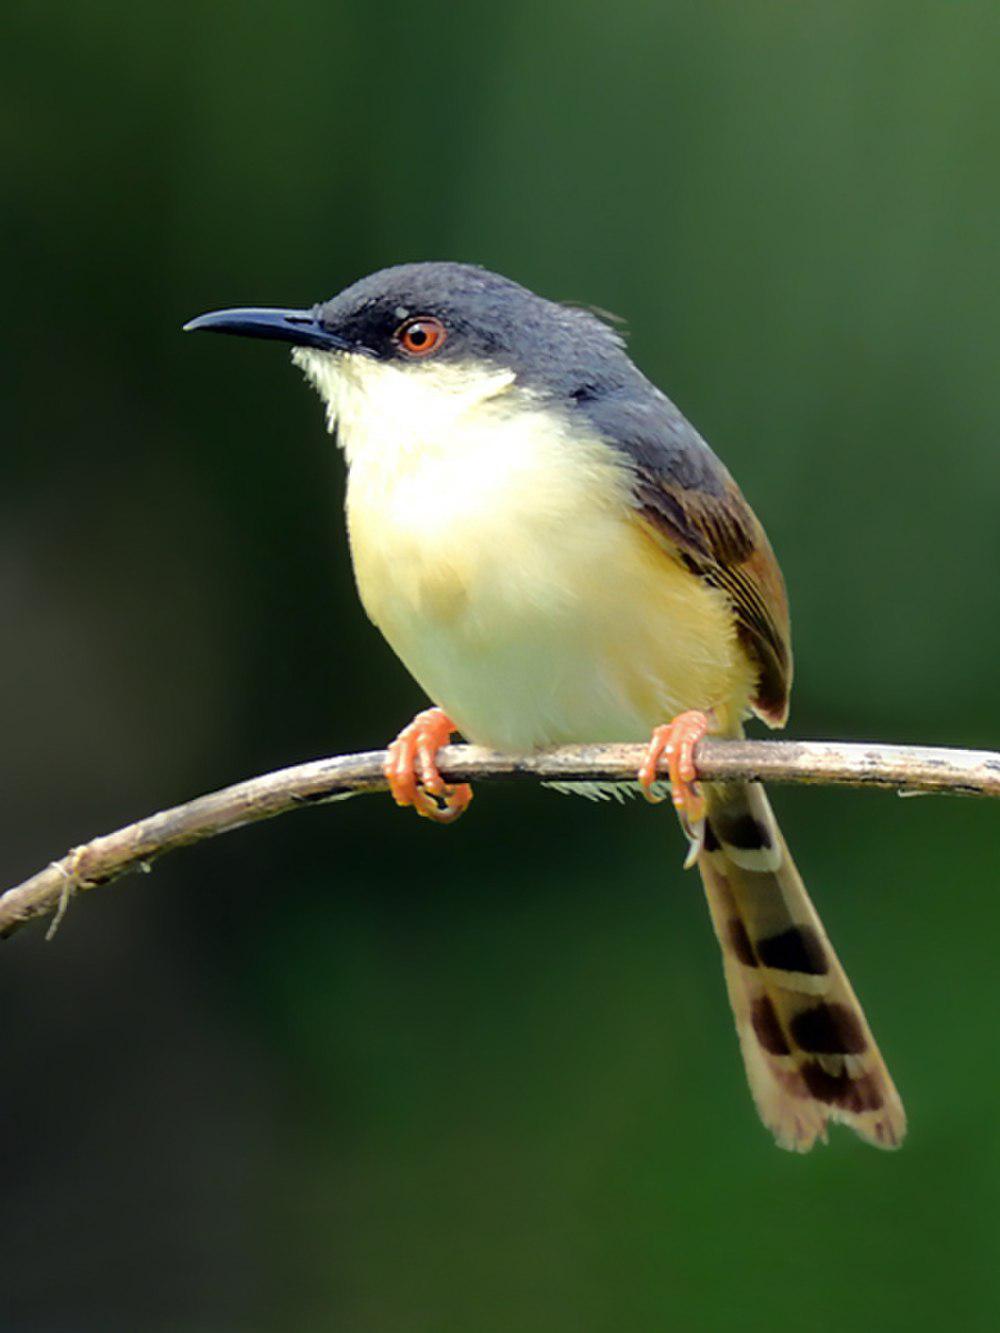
{"type": "Point", "coordinates": [676, 741]}
{"type": "Point", "coordinates": [412, 773]}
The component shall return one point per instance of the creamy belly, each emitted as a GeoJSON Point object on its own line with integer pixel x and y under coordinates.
{"type": "Point", "coordinates": [501, 559]}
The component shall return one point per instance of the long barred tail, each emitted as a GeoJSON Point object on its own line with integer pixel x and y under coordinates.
{"type": "Point", "coordinates": [809, 1053]}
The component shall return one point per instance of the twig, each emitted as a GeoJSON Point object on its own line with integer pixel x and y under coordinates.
{"type": "Point", "coordinates": [901, 767]}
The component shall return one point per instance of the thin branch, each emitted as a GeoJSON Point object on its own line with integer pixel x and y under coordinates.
{"type": "Point", "coordinates": [135, 847]}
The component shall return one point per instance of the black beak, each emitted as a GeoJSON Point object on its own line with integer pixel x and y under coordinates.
{"type": "Point", "coordinates": [301, 327]}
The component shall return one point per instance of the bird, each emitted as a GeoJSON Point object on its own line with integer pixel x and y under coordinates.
{"type": "Point", "coordinates": [558, 557]}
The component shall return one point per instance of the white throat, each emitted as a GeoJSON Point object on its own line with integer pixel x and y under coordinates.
{"type": "Point", "coordinates": [381, 410]}
{"type": "Point", "coordinates": [440, 456]}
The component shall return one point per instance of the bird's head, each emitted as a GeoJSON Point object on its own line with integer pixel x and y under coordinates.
{"type": "Point", "coordinates": [446, 334]}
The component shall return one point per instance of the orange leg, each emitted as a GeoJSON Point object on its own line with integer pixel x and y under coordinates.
{"type": "Point", "coordinates": [412, 772]}
{"type": "Point", "coordinates": [677, 741]}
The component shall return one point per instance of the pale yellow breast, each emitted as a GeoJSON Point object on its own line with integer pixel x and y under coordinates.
{"type": "Point", "coordinates": [498, 552]}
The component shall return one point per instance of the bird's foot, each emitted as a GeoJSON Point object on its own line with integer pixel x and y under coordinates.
{"type": "Point", "coordinates": [676, 741]}
{"type": "Point", "coordinates": [412, 772]}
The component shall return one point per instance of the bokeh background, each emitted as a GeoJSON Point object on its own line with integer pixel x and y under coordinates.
{"type": "Point", "coordinates": [347, 1071]}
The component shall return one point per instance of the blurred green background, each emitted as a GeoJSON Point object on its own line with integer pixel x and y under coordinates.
{"type": "Point", "coordinates": [347, 1071]}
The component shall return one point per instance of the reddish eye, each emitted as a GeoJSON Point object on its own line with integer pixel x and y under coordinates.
{"type": "Point", "coordinates": [421, 336]}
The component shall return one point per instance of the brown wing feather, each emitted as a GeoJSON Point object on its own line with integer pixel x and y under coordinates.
{"type": "Point", "coordinates": [719, 538]}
